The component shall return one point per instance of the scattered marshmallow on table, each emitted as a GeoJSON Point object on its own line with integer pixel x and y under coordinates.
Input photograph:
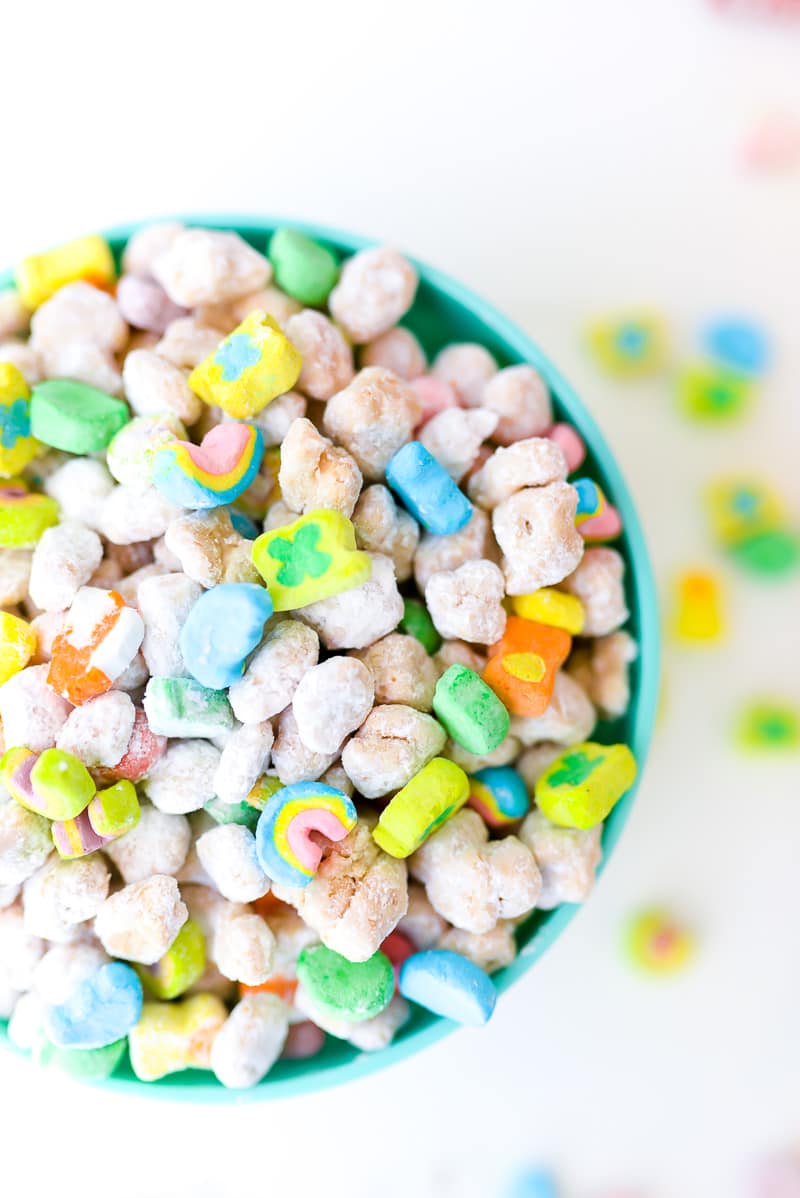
{"type": "Point", "coordinates": [282, 568]}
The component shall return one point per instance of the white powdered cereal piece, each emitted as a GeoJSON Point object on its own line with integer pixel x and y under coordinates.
{"type": "Point", "coordinates": [158, 844]}
{"type": "Point", "coordinates": [183, 779]}
{"type": "Point", "coordinates": [354, 619]}
{"type": "Point", "coordinates": [250, 1041]}
{"type": "Point", "coordinates": [32, 714]}
{"type": "Point", "coordinates": [532, 463]}
{"type": "Point", "coordinates": [153, 385]}
{"type": "Point", "coordinates": [327, 357]}
{"type": "Point", "coordinates": [474, 882]}
{"type": "Point", "coordinates": [203, 266]}
{"type": "Point", "coordinates": [390, 747]}
{"type": "Point", "coordinates": [78, 312]}
{"type": "Point", "coordinates": [567, 859]}
{"type": "Point", "coordinates": [164, 602]}
{"type": "Point", "coordinates": [332, 700]}
{"type": "Point", "coordinates": [98, 732]}
{"type": "Point", "coordinates": [79, 487]}
{"type": "Point", "coordinates": [228, 855]}
{"type": "Point", "coordinates": [383, 527]}
{"type": "Point", "coordinates": [467, 368]}
{"type": "Point", "coordinates": [140, 922]}
{"type": "Point", "coordinates": [268, 684]}
{"type": "Point", "coordinates": [376, 287]}
{"type": "Point", "coordinates": [535, 529]}
{"type": "Point", "coordinates": [454, 437]}
{"type": "Point", "coordinates": [315, 473]}
{"type": "Point", "coordinates": [65, 558]}
{"type": "Point", "coordinates": [519, 397]}
{"type": "Point", "coordinates": [373, 417]}
{"type": "Point", "coordinates": [451, 550]}
{"type": "Point", "coordinates": [467, 603]}
{"type": "Point", "coordinates": [244, 758]}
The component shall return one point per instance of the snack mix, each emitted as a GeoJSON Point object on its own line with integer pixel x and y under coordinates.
{"type": "Point", "coordinates": [303, 641]}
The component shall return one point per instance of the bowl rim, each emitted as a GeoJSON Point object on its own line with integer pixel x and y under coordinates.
{"type": "Point", "coordinates": [642, 586]}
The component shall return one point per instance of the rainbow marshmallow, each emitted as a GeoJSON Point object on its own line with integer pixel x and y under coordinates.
{"type": "Point", "coordinates": [76, 837]}
{"type": "Point", "coordinates": [286, 852]}
{"type": "Point", "coordinates": [499, 795]}
{"type": "Point", "coordinates": [213, 473]}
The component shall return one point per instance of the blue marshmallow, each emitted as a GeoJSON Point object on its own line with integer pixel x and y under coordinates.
{"type": "Point", "coordinates": [242, 524]}
{"type": "Point", "coordinates": [738, 344]}
{"type": "Point", "coordinates": [588, 497]}
{"type": "Point", "coordinates": [448, 984]}
{"type": "Point", "coordinates": [102, 1009]}
{"type": "Point", "coordinates": [427, 490]}
{"type": "Point", "coordinates": [222, 629]}
{"type": "Point", "coordinates": [533, 1183]}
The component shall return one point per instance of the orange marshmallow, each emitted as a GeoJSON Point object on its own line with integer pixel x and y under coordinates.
{"type": "Point", "coordinates": [523, 665]}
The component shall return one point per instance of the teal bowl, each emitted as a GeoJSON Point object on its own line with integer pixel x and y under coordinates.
{"type": "Point", "coordinates": [446, 311]}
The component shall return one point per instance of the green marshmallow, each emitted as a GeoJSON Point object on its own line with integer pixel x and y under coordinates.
{"type": "Point", "coordinates": [62, 785]}
{"type": "Point", "coordinates": [417, 622]}
{"type": "Point", "coordinates": [180, 707]}
{"type": "Point", "coordinates": [75, 417]}
{"type": "Point", "coordinates": [470, 711]}
{"type": "Point", "coordinates": [303, 268]}
{"type": "Point", "coordinates": [350, 990]}
{"type": "Point", "coordinates": [84, 1064]}
{"type": "Point", "coordinates": [773, 551]}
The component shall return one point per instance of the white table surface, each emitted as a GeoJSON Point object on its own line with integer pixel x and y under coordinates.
{"type": "Point", "coordinates": [563, 159]}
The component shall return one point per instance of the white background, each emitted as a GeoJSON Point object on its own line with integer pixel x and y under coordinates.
{"type": "Point", "coordinates": [563, 159]}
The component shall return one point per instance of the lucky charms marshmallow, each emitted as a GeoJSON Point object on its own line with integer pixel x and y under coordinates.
{"type": "Point", "coordinates": [304, 636]}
